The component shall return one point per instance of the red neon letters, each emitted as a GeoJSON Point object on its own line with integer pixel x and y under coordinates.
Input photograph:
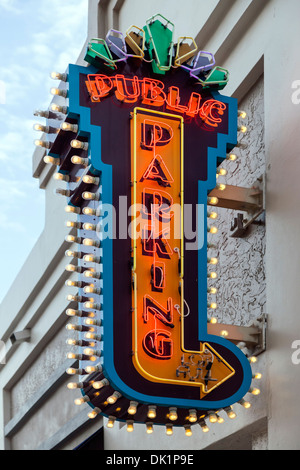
{"type": "Point", "coordinates": [152, 92]}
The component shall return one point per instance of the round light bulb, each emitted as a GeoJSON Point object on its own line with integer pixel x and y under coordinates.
{"type": "Point", "coordinates": [173, 416]}
{"type": "Point", "coordinates": [130, 426]}
{"type": "Point", "coordinates": [111, 422]}
{"type": "Point", "coordinates": [224, 333]}
{"type": "Point", "coordinates": [192, 416]}
{"type": "Point", "coordinates": [151, 412]}
{"type": "Point", "coordinates": [213, 418]}
{"type": "Point", "coordinates": [188, 430]}
{"type": "Point", "coordinates": [149, 428]}
{"type": "Point", "coordinates": [169, 429]}
{"type": "Point", "coordinates": [212, 201]}
{"type": "Point", "coordinates": [212, 290]}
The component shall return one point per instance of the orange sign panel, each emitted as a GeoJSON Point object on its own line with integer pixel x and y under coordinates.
{"type": "Point", "coordinates": [159, 353]}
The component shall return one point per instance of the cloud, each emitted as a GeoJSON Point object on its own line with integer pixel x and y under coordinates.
{"type": "Point", "coordinates": [10, 6]}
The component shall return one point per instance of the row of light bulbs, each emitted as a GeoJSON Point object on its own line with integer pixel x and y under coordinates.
{"type": "Point", "coordinates": [213, 215]}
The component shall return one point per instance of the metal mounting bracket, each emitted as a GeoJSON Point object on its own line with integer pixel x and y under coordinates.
{"type": "Point", "coordinates": [249, 200]}
{"type": "Point", "coordinates": [253, 336]}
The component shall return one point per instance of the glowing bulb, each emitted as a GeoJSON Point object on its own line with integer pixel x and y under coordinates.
{"type": "Point", "coordinates": [192, 416]}
{"type": "Point", "coordinates": [252, 359]}
{"type": "Point", "coordinates": [91, 369]}
{"type": "Point", "coordinates": [80, 401]}
{"type": "Point", "coordinates": [91, 196]}
{"type": "Point", "coordinates": [213, 261]}
{"type": "Point", "coordinates": [231, 156]}
{"type": "Point", "coordinates": [73, 313]}
{"type": "Point", "coordinates": [40, 128]}
{"type": "Point", "coordinates": [59, 92]}
{"type": "Point", "coordinates": [242, 129]}
{"type": "Point", "coordinates": [92, 259]}
{"type": "Point", "coordinates": [59, 76]}
{"type": "Point", "coordinates": [245, 404]}
{"type": "Point", "coordinates": [212, 305]}
{"type": "Point", "coordinates": [113, 398]}
{"type": "Point", "coordinates": [213, 418]}
{"type": "Point", "coordinates": [257, 376]}
{"type": "Point", "coordinates": [59, 109]}
{"type": "Point", "coordinates": [74, 386]}
{"type": "Point", "coordinates": [242, 114]}
{"type": "Point", "coordinates": [224, 333]}
{"type": "Point", "coordinates": [129, 426]}
{"type": "Point", "coordinates": [173, 416]}
{"type": "Point", "coordinates": [88, 211]}
{"type": "Point", "coordinates": [212, 275]}
{"type": "Point", "coordinates": [93, 414]}
{"type": "Point", "coordinates": [70, 283]}
{"type": "Point", "coordinates": [92, 290]}
{"type": "Point", "coordinates": [221, 172]}
{"type": "Point", "coordinates": [254, 391]}
{"type": "Point", "coordinates": [212, 215]}
{"type": "Point", "coordinates": [52, 160]}
{"type": "Point", "coordinates": [66, 126]}
{"type": "Point", "coordinates": [72, 209]}
{"type": "Point", "coordinates": [77, 144]}
{"type": "Point", "coordinates": [71, 371]}
{"type": "Point", "coordinates": [71, 342]}
{"type": "Point", "coordinates": [221, 186]}
{"type": "Point", "coordinates": [132, 408]}
{"type": "Point", "coordinates": [169, 429]}
{"type": "Point", "coordinates": [91, 352]}
{"type": "Point", "coordinates": [220, 419]}
{"type": "Point", "coordinates": [76, 160]}
{"type": "Point", "coordinates": [149, 428]}
{"type": "Point", "coordinates": [230, 413]}
{"type": "Point", "coordinates": [188, 430]}
{"type": "Point", "coordinates": [100, 384]}
{"type": "Point", "coordinates": [212, 230]}
{"type": "Point", "coordinates": [204, 426]}
{"type": "Point", "coordinates": [88, 179]}
{"type": "Point", "coordinates": [212, 201]}
{"type": "Point", "coordinates": [91, 322]}
{"type": "Point", "coordinates": [151, 411]}
{"type": "Point", "coordinates": [213, 320]}
{"type": "Point", "coordinates": [92, 275]}
{"type": "Point", "coordinates": [92, 305]}
{"type": "Point", "coordinates": [212, 290]}
{"type": "Point", "coordinates": [71, 224]}
{"type": "Point", "coordinates": [88, 226]}
{"type": "Point", "coordinates": [61, 177]}
{"type": "Point", "coordinates": [93, 336]}
{"type": "Point", "coordinates": [90, 242]}
{"type": "Point", "coordinates": [111, 422]}
{"type": "Point", "coordinates": [42, 143]}
{"type": "Point", "coordinates": [73, 254]}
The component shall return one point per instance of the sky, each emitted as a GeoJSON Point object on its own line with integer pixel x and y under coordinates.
{"type": "Point", "coordinates": [36, 38]}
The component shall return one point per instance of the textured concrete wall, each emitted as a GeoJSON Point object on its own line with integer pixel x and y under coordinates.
{"type": "Point", "coordinates": [241, 280]}
{"type": "Point", "coordinates": [53, 356]}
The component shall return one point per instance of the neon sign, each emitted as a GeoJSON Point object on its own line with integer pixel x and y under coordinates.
{"type": "Point", "coordinates": [152, 92]}
{"type": "Point", "coordinates": [149, 149]}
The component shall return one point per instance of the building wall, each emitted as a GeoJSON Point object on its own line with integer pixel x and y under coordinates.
{"type": "Point", "coordinates": [258, 274]}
